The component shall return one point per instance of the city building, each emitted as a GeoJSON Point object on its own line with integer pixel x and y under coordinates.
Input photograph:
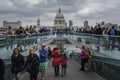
{"type": "Point", "coordinates": [86, 23]}
{"type": "Point", "coordinates": [59, 21]}
{"type": "Point", "coordinates": [38, 23]}
{"type": "Point", "coordinates": [70, 23]}
{"type": "Point", "coordinates": [12, 24]}
{"type": "Point", "coordinates": [108, 25]}
{"type": "Point", "coordinates": [102, 23]}
{"type": "Point", "coordinates": [66, 24]}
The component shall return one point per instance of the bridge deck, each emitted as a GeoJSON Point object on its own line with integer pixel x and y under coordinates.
{"type": "Point", "coordinates": [72, 73]}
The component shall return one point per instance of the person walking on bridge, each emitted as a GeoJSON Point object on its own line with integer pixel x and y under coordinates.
{"type": "Point", "coordinates": [17, 62]}
{"type": "Point", "coordinates": [56, 60]}
{"type": "Point", "coordinates": [43, 54]}
{"type": "Point", "coordinates": [64, 64]}
{"type": "Point", "coordinates": [84, 56]}
{"type": "Point", "coordinates": [32, 64]}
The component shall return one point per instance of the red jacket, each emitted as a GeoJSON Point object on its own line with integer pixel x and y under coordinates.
{"type": "Point", "coordinates": [56, 57]}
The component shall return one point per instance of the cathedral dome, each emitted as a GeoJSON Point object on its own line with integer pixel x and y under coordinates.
{"type": "Point", "coordinates": [59, 14]}
{"type": "Point", "coordinates": [59, 21]}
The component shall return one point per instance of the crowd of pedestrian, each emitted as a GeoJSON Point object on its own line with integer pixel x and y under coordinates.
{"type": "Point", "coordinates": [37, 62]}
{"type": "Point", "coordinates": [98, 29]}
{"type": "Point", "coordinates": [31, 30]}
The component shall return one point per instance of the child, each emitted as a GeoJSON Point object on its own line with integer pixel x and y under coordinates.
{"type": "Point", "coordinates": [64, 64]}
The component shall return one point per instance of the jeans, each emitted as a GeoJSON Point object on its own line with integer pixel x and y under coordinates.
{"type": "Point", "coordinates": [83, 61]}
{"type": "Point", "coordinates": [63, 70]}
{"type": "Point", "coordinates": [56, 70]}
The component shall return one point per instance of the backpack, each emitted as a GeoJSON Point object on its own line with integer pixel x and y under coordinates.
{"type": "Point", "coordinates": [87, 54]}
{"type": "Point", "coordinates": [112, 32]}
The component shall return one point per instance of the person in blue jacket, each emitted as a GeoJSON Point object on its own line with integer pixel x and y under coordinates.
{"type": "Point", "coordinates": [43, 54]}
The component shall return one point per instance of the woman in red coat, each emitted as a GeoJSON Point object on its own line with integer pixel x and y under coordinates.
{"type": "Point", "coordinates": [56, 60]}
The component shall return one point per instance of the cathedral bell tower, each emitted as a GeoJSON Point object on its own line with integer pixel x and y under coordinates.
{"type": "Point", "coordinates": [38, 22]}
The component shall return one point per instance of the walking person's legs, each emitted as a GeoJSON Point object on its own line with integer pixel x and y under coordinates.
{"type": "Point", "coordinates": [42, 74]}
{"type": "Point", "coordinates": [82, 64]}
{"type": "Point", "coordinates": [64, 70]}
{"type": "Point", "coordinates": [57, 70]}
{"type": "Point", "coordinates": [113, 43]}
{"type": "Point", "coordinates": [43, 67]}
{"type": "Point", "coordinates": [31, 77]}
{"type": "Point", "coordinates": [16, 78]}
{"type": "Point", "coordinates": [35, 76]}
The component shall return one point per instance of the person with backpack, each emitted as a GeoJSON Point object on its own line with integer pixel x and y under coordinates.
{"type": "Point", "coordinates": [56, 60]}
{"type": "Point", "coordinates": [64, 64]}
{"type": "Point", "coordinates": [87, 54]}
{"type": "Point", "coordinates": [112, 32]}
{"type": "Point", "coordinates": [32, 64]}
{"type": "Point", "coordinates": [84, 58]}
{"type": "Point", "coordinates": [17, 61]}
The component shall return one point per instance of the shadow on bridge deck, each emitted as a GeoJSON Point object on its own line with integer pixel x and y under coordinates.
{"type": "Point", "coordinates": [72, 73]}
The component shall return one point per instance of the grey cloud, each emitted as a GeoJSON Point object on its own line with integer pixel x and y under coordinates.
{"type": "Point", "coordinates": [19, 3]}
{"type": "Point", "coordinates": [47, 9]}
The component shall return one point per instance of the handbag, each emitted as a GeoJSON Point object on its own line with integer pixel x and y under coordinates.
{"type": "Point", "coordinates": [29, 67]}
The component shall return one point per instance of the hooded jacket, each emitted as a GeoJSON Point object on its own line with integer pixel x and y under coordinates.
{"type": "Point", "coordinates": [56, 57]}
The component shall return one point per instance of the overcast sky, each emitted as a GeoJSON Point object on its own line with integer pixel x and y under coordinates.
{"type": "Point", "coordinates": [28, 11]}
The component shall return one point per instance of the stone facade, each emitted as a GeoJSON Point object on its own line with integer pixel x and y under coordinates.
{"type": "Point", "coordinates": [12, 24]}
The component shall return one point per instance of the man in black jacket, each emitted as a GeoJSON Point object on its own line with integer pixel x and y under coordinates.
{"type": "Point", "coordinates": [2, 69]}
{"type": "Point", "coordinates": [98, 32]}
